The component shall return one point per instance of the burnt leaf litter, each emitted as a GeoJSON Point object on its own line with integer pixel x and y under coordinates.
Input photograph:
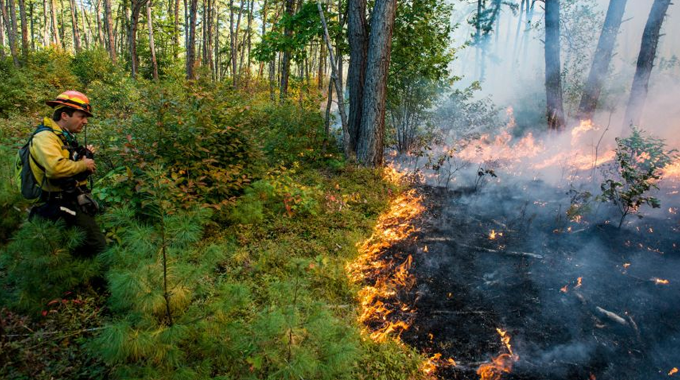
{"type": "Point", "coordinates": [579, 301]}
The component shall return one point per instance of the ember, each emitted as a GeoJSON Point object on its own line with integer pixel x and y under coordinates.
{"type": "Point", "coordinates": [673, 372]}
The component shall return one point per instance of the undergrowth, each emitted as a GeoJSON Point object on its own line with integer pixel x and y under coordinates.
{"type": "Point", "coordinates": [229, 229]}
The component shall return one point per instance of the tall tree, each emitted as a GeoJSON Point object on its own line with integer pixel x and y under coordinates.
{"type": "Point", "coordinates": [357, 36]}
{"type": "Point", "coordinates": [55, 26]}
{"type": "Point", "coordinates": [136, 9]}
{"type": "Point", "coordinates": [152, 46]}
{"type": "Point", "coordinates": [9, 16]}
{"type": "Point", "coordinates": [645, 62]}
{"type": "Point", "coordinates": [46, 24]}
{"type": "Point", "coordinates": [602, 58]}
{"type": "Point", "coordinates": [370, 145]}
{"type": "Point", "coordinates": [553, 82]}
{"type": "Point", "coordinates": [108, 23]}
{"type": "Point", "coordinates": [285, 64]}
{"type": "Point", "coordinates": [2, 30]}
{"type": "Point", "coordinates": [74, 27]}
{"type": "Point", "coordinates": [191, 40]}
{"type": "Point", "coordinates": [24, 29]}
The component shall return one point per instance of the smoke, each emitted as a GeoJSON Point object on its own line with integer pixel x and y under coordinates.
{"type": "Point", "coordinates": [511, 68]}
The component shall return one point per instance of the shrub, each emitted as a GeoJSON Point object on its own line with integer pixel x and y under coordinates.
{"type": "Point", "coordinates": [639, 160]}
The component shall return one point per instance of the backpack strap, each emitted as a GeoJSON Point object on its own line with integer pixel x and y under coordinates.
{"type": "Point", "coordinates": [40, 128]}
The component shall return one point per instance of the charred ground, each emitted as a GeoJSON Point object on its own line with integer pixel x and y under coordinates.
{"type": "Point", "coordinates": [619, 323]}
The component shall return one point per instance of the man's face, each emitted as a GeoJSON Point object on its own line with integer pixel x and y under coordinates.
{"type": "Point", "coordinates": [75, 123]}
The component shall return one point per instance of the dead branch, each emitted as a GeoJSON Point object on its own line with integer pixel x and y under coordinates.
{"type": "Point", "coordinates": [612, 316]}
{"type": "Point", "coordinates": [512, 253]}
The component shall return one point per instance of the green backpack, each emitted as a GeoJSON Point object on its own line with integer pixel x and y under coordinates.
{"type": "Point", "coordinates": [28, 185]}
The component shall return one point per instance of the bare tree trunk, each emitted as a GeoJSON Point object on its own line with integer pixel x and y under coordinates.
{"type": "Point", "coordinates": [137, 6]}
{"type": "Point", "coordinates": [87, 26]}
{"type": "Point", "coordinates": [645, 62]}
{"type": "Point", "coordinates": [191, 40]}
{"type": "Point", "coordinates": [217, 44]}
{"type": "Point", "coordinates": [357, 35]}
{"type": "Point", "coordinates": [151, 42]}
{"type": "Point", "coordinates": [46, 25]}
{"type": "Point", "coordinates": [237, 67]}
{"type": "Point", "coordinates": [175, 31]}
{"type": "Point", "coordinates": [74, 26]}
{"type": "Point", "coordinates": [2, 30]}
{"type": "Point", "coordinates": [11, 26]}
{"type": "Point", "coordinates": [370, 145]}
{"type": "Point", "coordinates": [553, 81]}
{"type": "Point", "coordinates": [100, 31]}
{"type": "Point", "coordinates": [232, 43]}
{"type": "Point", "coordinates": [602, 58]}
{"type": "Point", "coordinates": [338, 86]}
{"type": "Point", "coordinates": [285, 69]}
{"type": "Point", "coordinates": [109, 30]}
{"type": "Point", "coordinates": [250, 39]}
{"type": "Point", "coordinates": [24, 30]}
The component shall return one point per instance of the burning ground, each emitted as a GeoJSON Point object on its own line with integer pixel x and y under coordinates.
{"type": "Point", "coordinates": [495, 281]}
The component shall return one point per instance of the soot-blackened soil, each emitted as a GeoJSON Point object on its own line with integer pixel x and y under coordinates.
{"type": "Point", "coordinates": [619, 324]}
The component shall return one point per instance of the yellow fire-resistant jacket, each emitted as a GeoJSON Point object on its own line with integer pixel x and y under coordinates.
{"type": "Point", "coordinates": [49, 149]}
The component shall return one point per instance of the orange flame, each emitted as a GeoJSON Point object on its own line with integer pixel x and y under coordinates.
{"type": "Point", "coordinates": [429, 366]}
{"type": "Point", "coordinates": [564, 289]}
{"type": "Point", "coordinates": [673, 371]}
{"type": "Point", "coordinates": [660, 281]}
{"type": "Point", "coordinates": [494, 370]}
{"type": "Point", "coordinates": [492, 235]}
{"type": "Point", "coordinates": [378, 299]}
{"type": "Point", "coordinates": [500, 364]}
{"type": "Point", "coordinates": [578, 283]}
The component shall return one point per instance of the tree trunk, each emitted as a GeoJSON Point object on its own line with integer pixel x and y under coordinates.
{"type": "Point", "coordinates": [9, 15]}
{"type": "Point", "coordinates": [553, 82]}
{"type": "Point", "coordinates": [338, 87]}
{"type": "Point", "coordinates": [250, 39]}
{"type": "Point", "coordinates": [285, 69]}
{"type": "Point", "coordinates": [191, 40]}
{"type": "Point", "coordinates": [46, 24]}
{"type": "Point", "coordinates": [2, 31]}
{"type": "Point", "coordinates": [136, 9]}
{"type": "Point", "coordinates": [370, 145]}
{"type": "Point", "coordinates": [357, 35]}
{"type": "Point", "coordinates": [100, 30]}
{"type": "Point", "coordinates": [109, 30]}
{"type": "Point", "coordinates": [602, 58]}
{"type": "Point", "coordinates": [237, 66]}
{"type": "Point", "coordinates": [175, 31]}
{"type": "Point", "coordinates": [645, 62]}
{"type": "Point", "coordinates": [151, 42]}
{"type": "Point", "coordinates": [87, 26]}
{"type": "Point", "coordinates": [74, 26]}
{"type": "Point", "coordinates": [232, 43]}
{"type": "Point", "coordinates": [24, 30]}
{"type": "Point", "coordinates": [217, 44]}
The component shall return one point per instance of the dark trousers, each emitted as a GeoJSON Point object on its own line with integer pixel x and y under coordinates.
{"type": "Point", "coordinates": [71, 213]}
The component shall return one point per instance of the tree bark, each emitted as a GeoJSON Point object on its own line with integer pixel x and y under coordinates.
{"type": "Point", "coordinates": [602, 58]}
{"type": "Point", "coordinates": [9, 15]}
{"type": "Point", "coordinates": [46, 24]}
{"type": "Point", "coordinates": [338, 86]}
{"type": "Point", "coordinates": [151, 42]}
{"type": "Point", "coordinates": [370, 145]}
{"type": "Point", "coordinates": [74, 26]}
{"type": "Point", "coordinates": [553, 82]}
{"type": "Point", "coordinates": [645, 62]}
{"type": "Point", "coordinates": [357, 35]}
{"type": "Point", "coordinates": [2, 30]}
{"type": "Point", "coordinates": [232, 43]}
{"type": "Point", "coordinates": [109, 30]}
{"type": "Point", "coordinates": [24, 30]}
{"type": "Point", "coordinates": [191, 40]}
{"type": "Point", "coordinates": [285, 69]}
{"type": "Point", "coordinates": [175, 31]}
{"type": "Point", "coordinates": [136, 6]}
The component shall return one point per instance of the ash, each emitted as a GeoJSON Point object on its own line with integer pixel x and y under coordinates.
{"type": "Point", "coordinates": [580, 300]}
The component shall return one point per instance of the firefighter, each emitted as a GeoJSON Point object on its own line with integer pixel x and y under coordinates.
{"type": "Point", "coordinates": [61, 166]}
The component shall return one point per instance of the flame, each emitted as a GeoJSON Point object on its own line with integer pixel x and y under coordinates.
{"type": "Point", "coordinates": [626, 265]}
{"type": "Point", "coordinates": [578, 283]}
{"type": "Point", "coordinates": [492, 235]}
{"type": "Point", "coordinates": [672, 170]}
{"type": "Point", "coordinates": [660, 281]}
{"type": "Point", "coordinates": [585, 126]}
{"type": "Point", "coordinates": [500, 364]}
{"type": "Point", "coordinates": [564, 289]}
{"type": "Point", "coordinates": [430, 365]}
{"type": "Point", "coordinates": [494, 370]}
{"type": "Point", "coordinates": [673, 371]}
{"type": "Point", "coordinates": [383, 278]}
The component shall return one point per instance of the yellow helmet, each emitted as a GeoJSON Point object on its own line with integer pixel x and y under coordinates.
{"type": "Point", "coordinates": [72, 99]}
